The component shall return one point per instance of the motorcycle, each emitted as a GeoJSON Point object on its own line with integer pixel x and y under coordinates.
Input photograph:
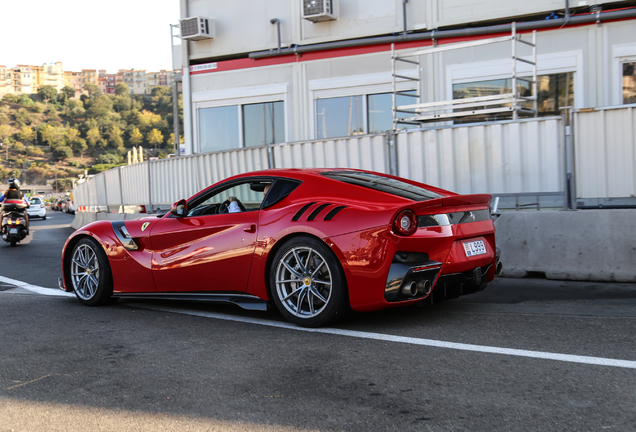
{"type": "Point", "coordinates": [13, 222]}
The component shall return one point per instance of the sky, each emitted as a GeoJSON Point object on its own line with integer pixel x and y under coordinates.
{"type": "Point", "coordinates": [88, 34]}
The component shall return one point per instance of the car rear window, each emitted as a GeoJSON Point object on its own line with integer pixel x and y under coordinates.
{"type": "Point", "coordinates": [383, 184]}
{"type": "Point", "coordinates": [35, 200]}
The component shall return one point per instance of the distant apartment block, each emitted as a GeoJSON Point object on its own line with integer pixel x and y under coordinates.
{"type": "Point", "coordinates": [74, 81]}
{"type": "Point", "coordinates": [51, 75]}
{"type": "Point", "coordinates": [24, 79]}
{"type": "Point", "coordinates": [161, 78]}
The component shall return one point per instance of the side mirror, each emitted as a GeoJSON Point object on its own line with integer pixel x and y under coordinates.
{"type": "Point", "coordinates": [179, 209]}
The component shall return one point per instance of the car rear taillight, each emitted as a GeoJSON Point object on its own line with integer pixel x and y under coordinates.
{"type": "Point", "coordinates": [141, 209]}
{"type": "Point", "coordinates": [41, 205]}
{"type": "Point", "coordinates": [405, 223]}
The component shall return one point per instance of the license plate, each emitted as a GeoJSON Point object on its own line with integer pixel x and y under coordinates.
{"type": "Point", "coordinates": [13, 230]}
{"type": "Point", "coordinates": [473, 248]}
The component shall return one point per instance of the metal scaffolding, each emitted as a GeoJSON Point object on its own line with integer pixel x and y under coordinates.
{"type": "Point", "coordinates": [468, 108]}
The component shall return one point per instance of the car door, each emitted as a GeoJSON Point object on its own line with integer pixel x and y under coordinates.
{"type": "Point", "coordinates": [206, 250]}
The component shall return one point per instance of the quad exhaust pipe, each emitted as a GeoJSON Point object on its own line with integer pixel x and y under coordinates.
{"type": "Point", "coordinates": [414, 288]}
{"type": "Point", "coordinates": [498, 268]}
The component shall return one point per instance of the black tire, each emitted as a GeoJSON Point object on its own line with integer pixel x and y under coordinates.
{"type": "Point", "coordinates": [307, 283]}
{"type": "Point", "coordinates": [89, 273]}
{"type": "Point", "coordinates": [44, 217]}
{"type": "Point", "coordinates": [13, 242]}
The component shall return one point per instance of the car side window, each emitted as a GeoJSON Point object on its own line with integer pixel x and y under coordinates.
{"type": "Point", "coordinates": [237, 198]}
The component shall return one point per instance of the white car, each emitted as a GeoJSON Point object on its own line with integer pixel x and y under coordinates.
{"type": "Point", "coordinates": [37, 208]}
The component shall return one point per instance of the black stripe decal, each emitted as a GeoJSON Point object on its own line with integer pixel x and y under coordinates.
{"type": "Point", "coordinates": [315, 213]}
{"type": "Point", "coordinates": [334, 212]}
{"type": "Point", "coordinates": [301, 211]}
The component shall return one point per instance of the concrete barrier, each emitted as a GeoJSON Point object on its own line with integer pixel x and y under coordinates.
{"type": "Point", "coordinates": [586, 245]}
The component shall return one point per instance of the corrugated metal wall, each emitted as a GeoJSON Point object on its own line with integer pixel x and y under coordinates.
{"type": "Point", "coordinates": [524, 156]}
{"type": "Point", "coordinates": [368, 152]}
{"type": "Point", "coordinates": [605, 153]}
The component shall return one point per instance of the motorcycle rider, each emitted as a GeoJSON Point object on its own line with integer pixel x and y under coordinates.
{"type": "Point", "coordinates": [14, 193]}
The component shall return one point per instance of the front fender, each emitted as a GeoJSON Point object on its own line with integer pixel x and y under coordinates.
{"type": "Point", "coordinates": [131, 269]}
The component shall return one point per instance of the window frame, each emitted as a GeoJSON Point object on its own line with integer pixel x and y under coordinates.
{"type": "Point", "coordinates": [547, 64]}
{"type": "Point", "coordinates": [357, 85]}
{"type": "Point", "coordinates": [238, 97]}
{"type": "Point", "coordinates": [621, 54]}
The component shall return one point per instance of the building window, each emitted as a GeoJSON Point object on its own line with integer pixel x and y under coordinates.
{"type": "Point", "coordinates": [218, 128]}
{"type": "Point", "coordinates": [555, 91]}
{"type": "Point", "coordinates": [221, 128]}
{"type": "Point", "coordinates": [629, 83]}
{"type": "Point", "coordinates": [263, 123]}
{"type": "Point", "coordinates": [341, 116]}
{"type": "Point", "coordinates": [357, 115]}
{"type": "Point", "coordinates": [380, 111]}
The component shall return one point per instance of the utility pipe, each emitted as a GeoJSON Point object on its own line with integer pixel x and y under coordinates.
{"type": "Point", "coordinates": [277, 22]}
{"type": "Point", "coordinates": [440, 34]}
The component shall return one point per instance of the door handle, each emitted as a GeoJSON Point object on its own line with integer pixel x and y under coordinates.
{"type": "Point", "coordinates": [250, 229]}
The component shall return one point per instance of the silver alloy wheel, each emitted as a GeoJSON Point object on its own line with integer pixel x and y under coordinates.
{"type": "Point", "coordinates": [303, 282]}
{"type": "Point", "coordinates": [85, 271]}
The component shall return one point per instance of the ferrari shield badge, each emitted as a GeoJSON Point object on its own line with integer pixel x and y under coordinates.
{"type": "Point", "coordinates": [144, 226]}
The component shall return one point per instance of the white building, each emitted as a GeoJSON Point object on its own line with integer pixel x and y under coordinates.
{"type": "Point", "coordinates": [291, 70]}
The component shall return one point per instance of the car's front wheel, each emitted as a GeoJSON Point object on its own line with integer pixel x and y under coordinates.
{"type": "Point", "coordinates": [90, 274]}
{"type": "Point", "coordinates": [308, 285]}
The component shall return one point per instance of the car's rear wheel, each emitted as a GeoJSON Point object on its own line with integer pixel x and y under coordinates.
{"type": "Point", "coordinates": [308, 284]}
{"type": "Point", "coordinates": [90, 273]}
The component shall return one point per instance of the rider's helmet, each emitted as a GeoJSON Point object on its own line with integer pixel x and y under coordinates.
{"type": "Point", "coordinates": [14, 183]}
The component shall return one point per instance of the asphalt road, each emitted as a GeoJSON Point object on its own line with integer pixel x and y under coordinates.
{"type": "Point", "coordinates": [525, 354]}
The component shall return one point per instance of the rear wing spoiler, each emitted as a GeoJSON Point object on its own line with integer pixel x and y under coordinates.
{"type": "Point", "coordinates": [455, 201]}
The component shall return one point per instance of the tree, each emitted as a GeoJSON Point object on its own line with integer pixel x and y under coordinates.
{"type": "Point", "coordinates": [11, 98]}
{"type": "Point", "coordinates": [26, 134]}
{"type": "Point", "coordinates": [4, 119]}
{"type": "Point", "coordinates": [48, 93]}
{"type": "Point", "coordinates": [123, 102]}
{"type": "Point", "coordinates": [62, 152]}
{"type": "Point", "coordinates": [121, 89]}
{"type": "Point", "coordinates": [80, 146]}
{"type": "Point", "coordinates": [23, 117]}
{"type": "Point", "coordinates": [110, 158]}
{"type": "Point", "coordinates": [92, 90]}
{"type": "Point", "coordinates": [66, 94]}
{"type": "Point", "coordinates": [26, 101]}
{"type": "Point", "coordinates": [101, 107]}
{"type": "Point", "coordinates": [147, 119]}
{"type": "Point", "coordinates": [93, 136]}
{"type": "Point", "coordinates": [18, 147]}
{"type": "Point", "coordinates": [136, 137]}
{"type": "Point", "coordinates": [114, 137]}
{"type": "Point", "coordinates": [5, 132]}
{"type": "Point", "coordinates": [34, 151]}
{"type": "Point", "coordinates": [155, 137]}
{"type": "Point", "coordinates": [53, 135]}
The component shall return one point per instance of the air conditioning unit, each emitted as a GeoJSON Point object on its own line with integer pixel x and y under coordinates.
{"type": "Point", "coordinates": [197, 28]}
{"type": "Point", "coordinates": [319, 10]}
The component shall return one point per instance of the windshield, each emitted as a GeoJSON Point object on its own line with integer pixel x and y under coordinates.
{"type": "Point", "coordinates": [383, 184]}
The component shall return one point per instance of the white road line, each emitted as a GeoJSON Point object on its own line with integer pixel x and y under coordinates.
{"type": "Point", "coordinates": [597, 361]}
{"type": "Point", "coordinates": [35, 288]}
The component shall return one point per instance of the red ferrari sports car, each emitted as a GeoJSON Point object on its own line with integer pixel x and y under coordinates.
{"type": "Point", "coordinates": [314, 242]}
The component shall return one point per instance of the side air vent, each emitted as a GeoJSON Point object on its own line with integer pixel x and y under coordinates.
{"type": "Point", "coordinates": [316, 212]}
{"type": "Point", "coordinates": [300, 212]}
{"type": "Point", "coordinates": [334, 211]}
